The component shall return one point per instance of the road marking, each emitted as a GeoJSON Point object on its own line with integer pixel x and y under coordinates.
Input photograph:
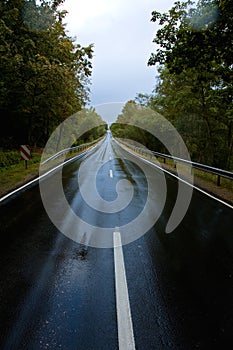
{"type": "Point", "coordinates": [124, 320]}
{"type": "Point", "coordinates": [180, 179]}
{"type": "Point", "coordinates": [191, 185]}
{"type": "Point", "coordinates": [44, 175]}
{"type": "Point", "coordinates": [111, 173]}
{"type": "Point", "coordinates": [110, 158]}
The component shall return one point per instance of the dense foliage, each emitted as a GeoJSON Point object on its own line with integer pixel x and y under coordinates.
{"type": "Point", "coordinates": [10, 159]}
{"type": "Point", "coordinates": [194, 54]}
{"type": "Point", "coordinates": [89, 126]}
{"type": "Point", "coordinates": [44, 74]}
{"type": "Point", "coordinates": [133, 124]}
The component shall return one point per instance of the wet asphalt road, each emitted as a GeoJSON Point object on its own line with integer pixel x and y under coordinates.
{"type": "Point", "coordinates": [59, 294]}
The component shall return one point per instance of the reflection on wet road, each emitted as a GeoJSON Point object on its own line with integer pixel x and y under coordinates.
{"type": "Point", "coordinates": [59, 294]}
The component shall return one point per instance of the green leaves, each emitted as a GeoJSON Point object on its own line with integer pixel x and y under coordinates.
{"type": "Point", "coordinates": [37, 17]}
{"type": "Point", "coordinates": [194, 35]}
{"type": "Point", "coordinates": [43, 72]}
{"type": "Point", "coordinates": [195, 52]}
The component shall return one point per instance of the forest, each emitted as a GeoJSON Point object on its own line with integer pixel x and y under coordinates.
{"type": "Point", "coordinates": [44, 73]}
{"type": "Point", "coordinates": [45, 78]}
{"type": "Point", "coordinates": [194, 59]}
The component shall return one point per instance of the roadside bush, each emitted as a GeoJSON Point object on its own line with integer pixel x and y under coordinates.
{"type": "Point", "coordinates": [10, 158]}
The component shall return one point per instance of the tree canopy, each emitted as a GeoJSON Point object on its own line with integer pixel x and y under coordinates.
{"type": "Point", "coordinates": [194, 52]}
{"type": "Point", "coordinates": [44, 73]}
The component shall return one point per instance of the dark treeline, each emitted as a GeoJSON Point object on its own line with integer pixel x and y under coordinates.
{"type": "Point", "coordinates": [194, 56]}
{"type": "Point", "coordinates": [137, 123]}
{"type": "Point", "coordinates": [44, 74]}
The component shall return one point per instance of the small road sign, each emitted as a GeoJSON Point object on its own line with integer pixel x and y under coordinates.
{"type": "Point", "coordinates": [25, 152]}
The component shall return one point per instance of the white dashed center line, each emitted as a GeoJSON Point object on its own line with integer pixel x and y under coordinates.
{"type": "Point", "coordinates": [111, 173]}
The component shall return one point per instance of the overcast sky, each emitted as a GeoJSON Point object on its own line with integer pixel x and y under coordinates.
{"type": "Point", "coordinates": [122, 35]}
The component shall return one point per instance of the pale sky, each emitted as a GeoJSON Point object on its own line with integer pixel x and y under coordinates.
{"type": "Point", "coordinates": [122, 35]}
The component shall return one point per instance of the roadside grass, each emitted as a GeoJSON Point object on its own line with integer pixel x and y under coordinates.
{"type": "Point", "coordinates": [206, 181]}
{"type": "Point", "coordinates": [15, 175]}
{"type": "Point", "coordinates": [224, 183]}
{"type": "Point", "coordinates": [199, 174]}
{"type": "Point", "coordinates": [202, 179]}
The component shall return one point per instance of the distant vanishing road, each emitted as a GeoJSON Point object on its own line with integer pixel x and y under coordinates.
{"type": "Point", "coordinates": [161, 291]}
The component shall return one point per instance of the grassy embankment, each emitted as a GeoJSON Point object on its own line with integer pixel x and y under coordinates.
{"type": "Point", "coordinates": [12, 170]}
{"type": "Point", "coordinates": [204, 180]}
{"type": "Point", "coordinates": [13, 173]}
{"type": "Point", "coordinates": [207, 181]}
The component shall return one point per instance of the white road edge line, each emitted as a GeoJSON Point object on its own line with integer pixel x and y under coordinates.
{"type": "Point", "coordinates": [124, 320]}
{"type": "Point", "coordinates": [39, 177]}
{"type": "Point", "coordinates": [182, 180]}
{"type": "Point", "coordinates": [193, 186]}
{"type": "Point", "coordinates": [42, 176]}
{"type": "Point", "coordinates": [111, 173]}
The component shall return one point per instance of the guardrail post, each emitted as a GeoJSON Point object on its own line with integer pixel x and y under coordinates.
{"type": "Point", "coordinates": [202, 167]}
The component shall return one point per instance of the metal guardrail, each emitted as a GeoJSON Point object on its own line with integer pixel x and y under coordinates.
{"type": "Point", "coordinates": [216, 171]}
{"type": "Point", "coordinates": [71, 149]}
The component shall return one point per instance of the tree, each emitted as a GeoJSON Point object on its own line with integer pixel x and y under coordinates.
{"type": "Point", "coordinates": [195, 51]}
{"type": "Point", "coordinates": [137, 123]}
{"type": "Point", "coordinates": [44, 74]}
